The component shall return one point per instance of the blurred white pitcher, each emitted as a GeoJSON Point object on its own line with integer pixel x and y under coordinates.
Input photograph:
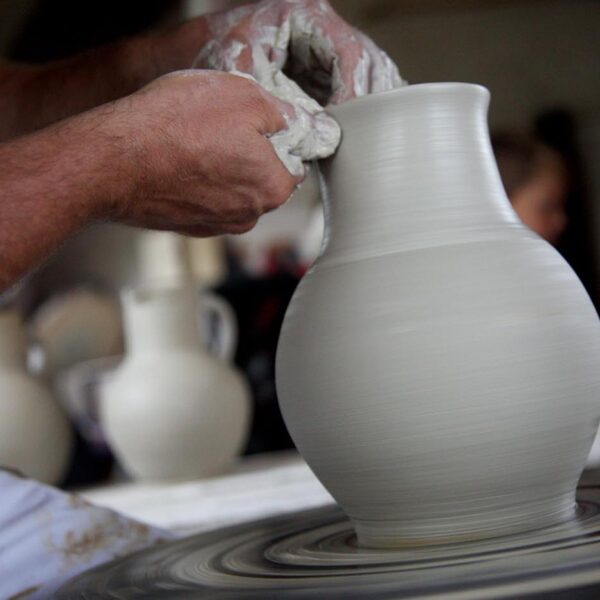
{"type": "Point", "coordinates": [35, 436]}
{"type": "Point", "coordinates": [172, 409]}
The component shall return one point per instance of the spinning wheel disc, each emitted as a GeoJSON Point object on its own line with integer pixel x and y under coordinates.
{"type": "Point", "coordinates": [313, 554]}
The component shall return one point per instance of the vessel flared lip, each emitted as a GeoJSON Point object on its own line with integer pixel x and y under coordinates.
{"type": "Point", "coordinates": [413, 89]}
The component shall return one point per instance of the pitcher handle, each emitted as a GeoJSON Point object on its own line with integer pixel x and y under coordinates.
{"type": "Point", "coordinates": [225, 342]}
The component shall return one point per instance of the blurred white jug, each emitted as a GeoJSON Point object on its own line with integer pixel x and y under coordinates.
{"type": "Point", "coordinates": [35, 436]}
{"type": "Point", "coordinates": [172, 410]}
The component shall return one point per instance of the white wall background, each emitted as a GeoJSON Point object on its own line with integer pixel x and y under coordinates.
{"type": "Point", "coordinates": [533, 55]}
{"type": "Point", "coordinates": [530, 54]}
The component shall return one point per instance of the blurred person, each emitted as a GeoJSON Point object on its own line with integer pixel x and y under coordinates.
{"type": "Point", "coordinates": [114, 135]}
{"type": "Point", "coordinates": [536, 181]}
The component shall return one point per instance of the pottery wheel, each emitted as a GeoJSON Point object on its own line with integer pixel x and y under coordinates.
{"type": "Point", "coordinates": [313, 554]}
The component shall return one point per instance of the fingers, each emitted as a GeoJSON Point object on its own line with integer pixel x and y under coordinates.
{"type": "Point", "coordinates": [280, 183]}
{"type": "Point", "coordinates": [277, 114]}
{"type": "Point", "coordinates": [361, 68]}
{"type": "Point", "coordinates": [272, 114]}
{"type": "Point", "coordinates": [309, 134]}
{"type": "Point", "coordinates": [299, 132]}
{"type": "Point", "coordinates": [383, 73]}
{"type": "Point", "coordinates": [328, 57]}
{"type": "Point", "coordinates": [273, 190]}
{"type": "Point", "coordinates": [201, 231]}
{"type": "Point", "coordinates": [230, 53]}
{"type": "Point", "coordinates": [262, 182]}
{"type": "Point", "coordinates": [355, 64]}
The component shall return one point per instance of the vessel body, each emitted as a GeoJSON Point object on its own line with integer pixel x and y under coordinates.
{"type": "Point", "coordinates": [439, 365]}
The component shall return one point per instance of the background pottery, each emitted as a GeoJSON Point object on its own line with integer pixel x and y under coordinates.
{"type": "Point", "coordinates": [171, 409]}
{"type": "Point", "coordinates": [35, 435]}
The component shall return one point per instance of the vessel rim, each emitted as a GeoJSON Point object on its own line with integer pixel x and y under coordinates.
{"type": "Point", "coordinates": [412, 89]}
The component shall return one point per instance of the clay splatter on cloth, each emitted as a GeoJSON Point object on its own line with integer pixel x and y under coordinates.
{"type": "Point", "coordinates": [49, 536]}
{"type": "Point", "coordinates": [25, 593]}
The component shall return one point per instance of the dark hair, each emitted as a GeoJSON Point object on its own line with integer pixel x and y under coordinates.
{"type": "Point", "coordinates": [521, 157]}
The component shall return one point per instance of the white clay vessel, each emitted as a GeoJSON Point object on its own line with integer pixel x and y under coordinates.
{"type": "Point", "coordinates": [172, 410]}
{"type": "Point", "coordinates": [35, 435]}
{"type": "Point", "coordinates": [439, 365]}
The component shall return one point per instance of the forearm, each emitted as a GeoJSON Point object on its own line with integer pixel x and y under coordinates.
{"type": "Point", "coordinates": [32, 97]}
{"type": "Point", "coordinates": [53, 183]}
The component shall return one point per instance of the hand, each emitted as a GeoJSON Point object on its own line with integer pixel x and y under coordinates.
{"type": "Point", "coordinates": [196, 154]}
{"type": "Point", "coordinates": [331, 60]}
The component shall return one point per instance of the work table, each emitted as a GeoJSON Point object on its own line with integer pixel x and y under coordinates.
{"type": "Point", "coordinates": [258, 486]}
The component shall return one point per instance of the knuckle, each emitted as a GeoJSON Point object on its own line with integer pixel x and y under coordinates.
{"type": "Point", "coordinates": [243, 227]}
{"type": "Point", "coordinates": [256, 104]}
{"type": "Point", "coordinates": [249, 87]}
{"type": "Point", "coordinates": [278, 189]}
{"type": "Point", "coordinates": [250, 208]}
{"type": "Point", "coordinates": [261, 109]}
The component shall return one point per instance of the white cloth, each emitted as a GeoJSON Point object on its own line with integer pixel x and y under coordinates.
{"type": "Point", "coordinates": [311, 134]}
{"type": "Point", "coordinates": [48, 536]}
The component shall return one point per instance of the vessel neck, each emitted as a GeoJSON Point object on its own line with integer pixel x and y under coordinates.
{"type": "Point", "coordinates": [415, 168]}
{"type": "Point", "coordinates": [161, 320]}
